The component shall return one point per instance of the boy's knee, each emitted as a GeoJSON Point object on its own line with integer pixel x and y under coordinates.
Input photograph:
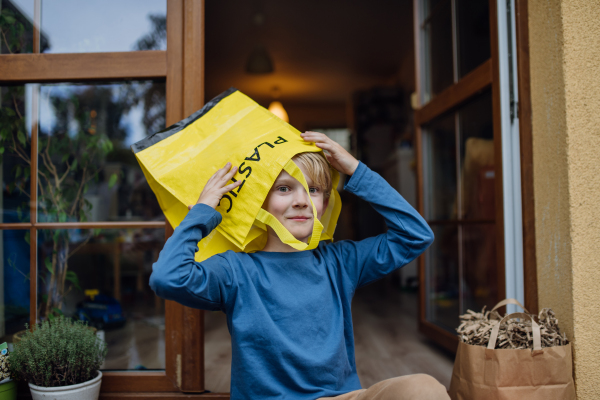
{"type": "Point", "coordinates": [429, 387]}
{"type": "Point", "coordinates": [422, 387]}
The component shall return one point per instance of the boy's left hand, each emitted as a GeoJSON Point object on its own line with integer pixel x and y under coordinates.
{"type": "Point", "coordinates": [338, 157]}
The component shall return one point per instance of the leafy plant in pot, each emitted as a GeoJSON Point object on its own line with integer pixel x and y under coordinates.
{"type": "Point", "coordinates": [60, 359]}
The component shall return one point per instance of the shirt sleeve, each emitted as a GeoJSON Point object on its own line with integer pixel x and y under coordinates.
{"type": "Point", "coordinates": [177, 276]}
{"type": "Point", "coordinates": [407, 237]}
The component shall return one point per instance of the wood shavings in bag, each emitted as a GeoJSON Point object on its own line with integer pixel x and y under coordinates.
{"type": "Point", "coordinates": [475, 329]}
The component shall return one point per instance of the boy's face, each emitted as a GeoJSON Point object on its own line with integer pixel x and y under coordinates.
{"type": "Point", "coordinates": [289, 203]}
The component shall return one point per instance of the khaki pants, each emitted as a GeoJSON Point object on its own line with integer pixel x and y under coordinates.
{"type": "Point", "coordinates": [408, 387]}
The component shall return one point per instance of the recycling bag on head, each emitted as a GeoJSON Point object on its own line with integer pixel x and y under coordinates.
{"type": "Point", "coordinates": [179, 160]}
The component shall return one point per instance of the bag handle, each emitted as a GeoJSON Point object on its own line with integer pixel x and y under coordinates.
{"type": "Point", "coordinates": [286, 237]}
{"type": "Point", "coordinates": [509, 301]}
{"type": "Point", "coordinates": [535, 330]}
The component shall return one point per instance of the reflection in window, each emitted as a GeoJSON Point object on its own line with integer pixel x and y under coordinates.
{"type": "Point", "coordinates": [15, 151]}
{"type": "Point", "coordinates": [439, 167]}
{"type": "Point", "coordinates": [442, 266]}
{"type": "Point", "coordinates": [438, 37]}
{"type": "Point", "coordinates": [473, 36]}
{"type": "Point", "coordinates": [74, 26]}
{"type": "Point", "coordinates": [87, 171]}
{"type": "Point", "coordinates": [460, 266]}
{"type": "Point", "coordinates": [14, 282]}
{"type": "Point", "coordinates": [16, 26]}
{"type": "Point", "coordinates": [456, 40]}
{"type": "Point", "coordinates": [101, 276]}
{"type": "Point", "coordinates": [477, 159]}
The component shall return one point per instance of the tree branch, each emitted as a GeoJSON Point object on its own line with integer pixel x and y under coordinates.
{"type": "Point", "coordinates": [65, 174]}
{"type": "Point", "coordinates": [76, 249]}
{"type": "Point", "coordinates": [22, 191]}
{"type": "Point", "coordinates": [17, 108]}
{"type": "Point", "coordinates": [79, 191]}
{"type": "Point", "coordinates": [6, 41]}
{"type": "Point", "coordinates": [18, 150]}
{"type": "Point", "coordinates": [51, 167]}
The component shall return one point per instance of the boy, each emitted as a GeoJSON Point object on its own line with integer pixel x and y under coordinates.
{"type": "Point", "coordinates": [288, 311]}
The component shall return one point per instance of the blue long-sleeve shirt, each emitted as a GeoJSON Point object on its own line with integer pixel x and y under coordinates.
{"type": "Point", "coordinates": [289, 313]}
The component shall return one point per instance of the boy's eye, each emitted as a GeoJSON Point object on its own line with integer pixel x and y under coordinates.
{"type": "Point", "coordinates": [313, 190]}
{"type": "Point", "coordinates": [283, 189]}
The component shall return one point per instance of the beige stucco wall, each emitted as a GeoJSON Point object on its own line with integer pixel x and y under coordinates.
{"type": "Point", "coordinates": [565, 81]}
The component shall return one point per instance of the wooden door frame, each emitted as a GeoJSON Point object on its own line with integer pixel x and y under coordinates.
{"type": "Point", "coordinates": [483, 77]}
{"type": "Point", "coordinates": [526, 144]}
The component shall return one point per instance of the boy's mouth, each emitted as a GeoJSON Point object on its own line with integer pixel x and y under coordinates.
{"type": "Point", "coordinates": [299, 218]}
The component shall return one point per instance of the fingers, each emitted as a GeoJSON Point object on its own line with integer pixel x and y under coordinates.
{"type": "Point", "coordinates": [231, 186]}
{"type": "Point", "coordinates": [310, 136]}
{"type": "Point", "coordinates": [227, 176]}
{"type": "Point", "coordinates": [325, 146]}
{"type": "Point", "coordinates": [321, 140]}
{"type": "Point", "coordinates": [223, 171]}
{"type": "Point", "coordinates": [224, 174]}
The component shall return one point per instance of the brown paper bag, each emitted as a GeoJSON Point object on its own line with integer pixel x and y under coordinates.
{"type": "Point", "coordinates": [505, 374]}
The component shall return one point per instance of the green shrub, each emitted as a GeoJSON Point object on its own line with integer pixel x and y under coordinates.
{"type": "Point", "coordinates": [60, 352]}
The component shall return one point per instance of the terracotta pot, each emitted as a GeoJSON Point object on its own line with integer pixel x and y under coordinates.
{"type": "Point", "coordinates": [89, 390]}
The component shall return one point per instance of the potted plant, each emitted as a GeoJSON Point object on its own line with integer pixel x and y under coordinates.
{"type": "Point", "coordinates": [60, 359]}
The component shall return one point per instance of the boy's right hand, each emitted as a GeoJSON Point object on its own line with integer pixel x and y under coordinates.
{"type": "Point", "coordinates": [216, 186]}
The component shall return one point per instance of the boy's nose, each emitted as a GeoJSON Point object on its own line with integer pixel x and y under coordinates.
{"type": "Point", "coordinates": [301, 199]}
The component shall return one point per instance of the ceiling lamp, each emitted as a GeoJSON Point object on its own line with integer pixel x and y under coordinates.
{"type": "Point", "coordinates": [277, 108]}
{"type": "Point", "coordinates": [259, 61]}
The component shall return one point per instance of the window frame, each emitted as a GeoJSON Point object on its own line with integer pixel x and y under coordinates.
{"type": "Point", "coordinates": [182, 67]}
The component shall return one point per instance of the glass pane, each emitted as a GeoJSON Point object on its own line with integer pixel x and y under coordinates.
{"type": "Point", "coordinates": [477, 159]}
{"type": "Point", "coordinates": [217, 352]}
{"type": "Point", "coordinates": [15, 152]}
{"type": "Point", "coordinates": [438, 39]}
{"type": "Point", "coordinates": [16, 26]}
{"type": "Point", "coordinates": [431, 6]}
{"type": "Point", "coordinates": [479, 273]}
{"type": "Point", "coordinates": [14, 286]}
{"type": "Point", "coordinates": [473, 24]}
{"type": "Point", "coordinates": [442, 274]}
{"type": "Point", "coordinates": [101, 276]}
{"type": "Point", "coordinates": [439, 168]}
{"type": "Point", "coordinates": [75, 26]}
{"type": "Point", "coordinates": [87, 170]}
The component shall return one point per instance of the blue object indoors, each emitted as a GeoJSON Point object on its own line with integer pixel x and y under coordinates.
{"type": "Point", "coordinates": [15, 259]}
{"type": "Point", "coordinates": [101, 311]}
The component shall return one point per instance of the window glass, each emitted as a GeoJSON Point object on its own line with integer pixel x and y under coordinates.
{"type": "Point", "coordinates": [439, 168]}
{"type": "Point", "coordinates": [15, 152]}
{"type": "Point", "coordinates": [465, 247]}
{"type": "Point", "coordinates": [101, 276]}
{"type": "Point", "coordinates": [442, 274]}
{"type": "Point", "coordinates": [438, 50]}
{"type": "Point", "coordinates": [479, 272]}
{"type": "Point", "coordinates": [478, 205]}
{"type": "Point", "coordinates": [16, 26]}
{"type": "Point", "coordinates": [217, 352]}
{"type": "Point", "coordinates": [477, 159]}
{"type": "Point", "coordinates": [87, 171]}
{"type": "Point", "coordinates": [14, 282]}
{"type": "Point", "coordinates": [473, 25]}
{"type": "Point", "coordinates": [75, 26]}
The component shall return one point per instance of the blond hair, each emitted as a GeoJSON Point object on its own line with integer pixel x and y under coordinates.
{"type": "Point", "coordinates": [317, 168]}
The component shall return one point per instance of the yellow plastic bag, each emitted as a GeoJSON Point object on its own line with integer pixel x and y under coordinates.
{"type": "Point", "coordinates": [179, 160]}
